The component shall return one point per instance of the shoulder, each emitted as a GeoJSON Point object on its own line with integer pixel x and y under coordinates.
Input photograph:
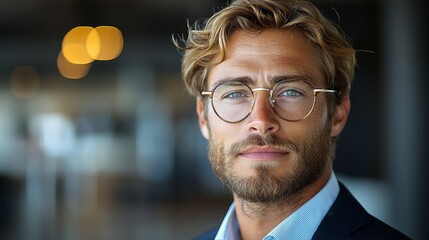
{"type": "Point", "coordinates": [209, 235]}
{"type": "Point", "coordinates": [377, 229]}
{"type": "Point", "coordinates": [347, 219]}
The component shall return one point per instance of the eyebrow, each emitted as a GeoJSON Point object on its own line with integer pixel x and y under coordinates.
{"type": "Point", "coordinates": [244, 79]}
{"type": "Point", "coordinates": [274, 80]}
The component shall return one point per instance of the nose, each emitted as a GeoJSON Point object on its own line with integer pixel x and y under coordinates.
{"type": "Point", "coordinates": [262, 120]}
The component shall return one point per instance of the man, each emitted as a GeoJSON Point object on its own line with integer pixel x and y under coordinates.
{"type": "Point", "coordinates": [272, 81]}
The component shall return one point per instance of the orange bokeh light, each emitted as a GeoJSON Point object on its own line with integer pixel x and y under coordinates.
{"type": "Point", "coordinates": [70, 70]}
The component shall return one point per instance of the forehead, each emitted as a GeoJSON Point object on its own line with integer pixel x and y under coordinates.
{"type": "Point", "coordinates": [265, 56]}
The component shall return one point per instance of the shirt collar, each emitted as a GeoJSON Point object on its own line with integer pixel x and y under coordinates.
{"type": "Point", "coordinates": [302, 224]}
{"type": "Point", "coordinates": [229, 230]}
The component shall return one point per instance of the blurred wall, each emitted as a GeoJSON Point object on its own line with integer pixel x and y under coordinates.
{"type": "Point", "coordinates": [118, 153]}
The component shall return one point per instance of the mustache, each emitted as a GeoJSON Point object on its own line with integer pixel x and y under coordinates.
{"type": "Point", "coordinates": [257, 140]}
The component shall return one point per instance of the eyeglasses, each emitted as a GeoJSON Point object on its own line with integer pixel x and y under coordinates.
{"type": "Point", "coordinates": [291, 100]}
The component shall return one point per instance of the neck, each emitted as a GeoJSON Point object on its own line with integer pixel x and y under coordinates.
{"type": "Point", "coordinates": [256, 220]}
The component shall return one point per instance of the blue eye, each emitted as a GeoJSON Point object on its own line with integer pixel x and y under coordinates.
{"type": "Point", "coordinates": [290, 93]}
{"type": "Point", "coordinates": [235, 95]}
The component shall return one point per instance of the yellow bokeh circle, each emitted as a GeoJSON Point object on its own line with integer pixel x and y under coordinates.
{"type": "Point", "coordinates": [84, 44]}
{"type": "Point", "coordinates": [80, 44]}
{"type": "Point", "coordinates": [111, 43]}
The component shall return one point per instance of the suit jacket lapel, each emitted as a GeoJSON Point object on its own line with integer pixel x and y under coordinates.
{"type": "Point", "coordinates": [344, 217]}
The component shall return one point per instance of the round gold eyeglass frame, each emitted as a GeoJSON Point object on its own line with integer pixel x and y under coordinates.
{"type": "Point", "coordinates": [272, 101]}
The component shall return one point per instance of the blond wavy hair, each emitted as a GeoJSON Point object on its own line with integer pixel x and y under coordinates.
{"type": "Point", "coordinates": [206, 42]}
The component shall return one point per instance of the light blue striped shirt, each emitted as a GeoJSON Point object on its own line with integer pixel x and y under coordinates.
{"type": "Point", "coordinates": [302, 224]}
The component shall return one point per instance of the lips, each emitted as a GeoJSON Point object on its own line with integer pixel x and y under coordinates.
{"type": "Point", "coordinates": [263, 153]}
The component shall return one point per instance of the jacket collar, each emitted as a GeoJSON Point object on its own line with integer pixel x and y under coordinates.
{"type": "Point", "coordinates": [344, 217]}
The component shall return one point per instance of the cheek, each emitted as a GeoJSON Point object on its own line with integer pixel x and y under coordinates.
{"type": "Point", "coordinates": [299, 132]}
{"type": "Point", "coordinates": [220, 131]}
{"type": "Point", "coordinates": [214, 124]}
{"type": "Point", "coordinates": [320, 115]}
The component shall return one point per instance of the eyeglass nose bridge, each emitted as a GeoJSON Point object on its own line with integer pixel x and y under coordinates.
{"type": "Point", "coordinates": [271, 100]}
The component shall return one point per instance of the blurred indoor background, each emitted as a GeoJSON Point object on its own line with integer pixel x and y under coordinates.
{"type": "Point", "coordinates": [116, 153]}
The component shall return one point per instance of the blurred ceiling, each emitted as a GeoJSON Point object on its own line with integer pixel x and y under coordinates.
{"type": "Point", "coordinates": [31, 31]}
{"type": "Point", "coordinates": [51, 17]}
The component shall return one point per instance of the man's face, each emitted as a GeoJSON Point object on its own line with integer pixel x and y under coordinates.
{"type": "Point", "coordinates": [265, 158]}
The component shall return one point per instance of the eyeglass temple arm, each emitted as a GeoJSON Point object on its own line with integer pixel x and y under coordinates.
{"type": "Point", "coordinates": [210, 94]}
{"type": "Point", "coordinates": [318, 90]}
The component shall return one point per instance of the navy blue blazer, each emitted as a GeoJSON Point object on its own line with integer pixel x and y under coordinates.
{"type": "Point", "coordinates": [346, 219]}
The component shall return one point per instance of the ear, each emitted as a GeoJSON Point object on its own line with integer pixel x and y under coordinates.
{"type": "Point", "coordinates": [340, 116]}
{"type": "Point", "coordinates": [202, 118]}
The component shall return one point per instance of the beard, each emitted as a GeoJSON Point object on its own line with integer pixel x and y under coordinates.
{"type": "Point", "coordinates": [307, 163]}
